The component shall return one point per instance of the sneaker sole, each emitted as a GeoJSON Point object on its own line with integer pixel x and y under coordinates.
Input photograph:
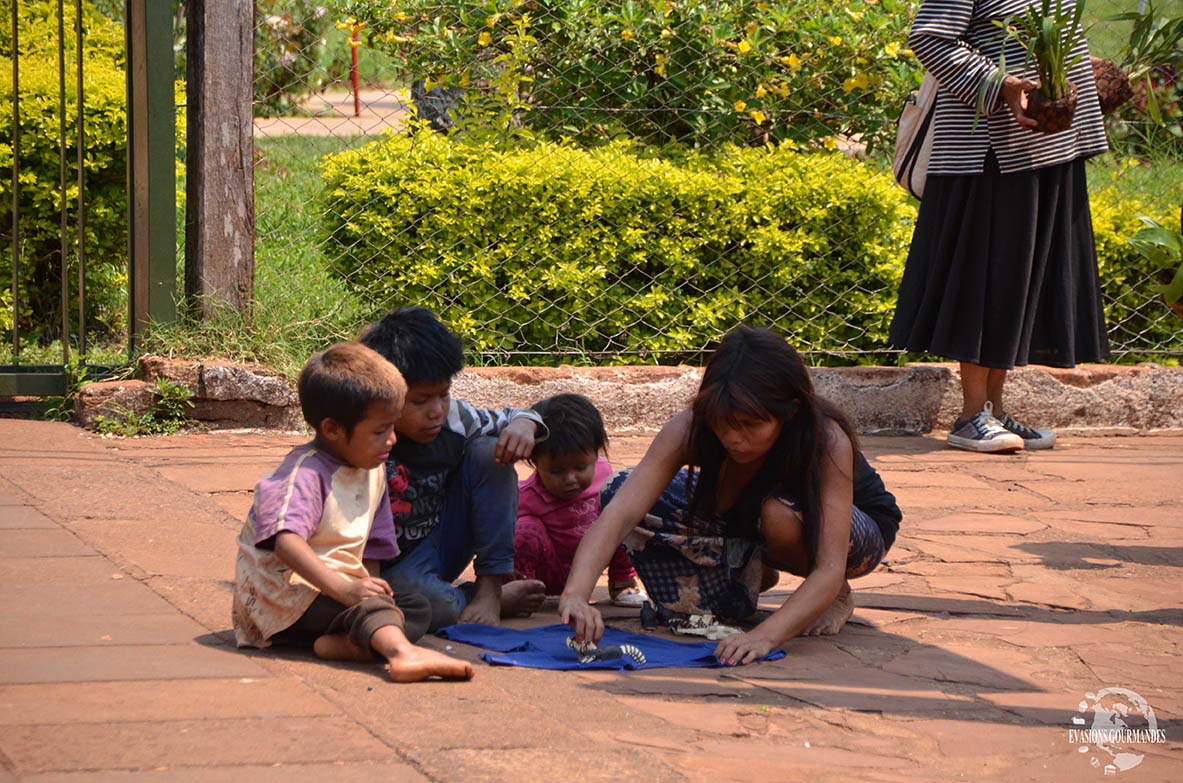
{"type": "Point", "coordinates": [1038, 444]}
{"type": "Point", "coordinates": [1002, 443]}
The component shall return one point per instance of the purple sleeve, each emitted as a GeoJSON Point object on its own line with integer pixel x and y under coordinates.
{"type": "Point", "coordinates": [382, 544]}
{"type": "Point", "coordinates": [290, 499]}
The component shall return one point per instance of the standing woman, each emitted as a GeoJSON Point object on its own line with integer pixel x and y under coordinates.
{"type": "Point", "coordinates": [776, 483]}
{"type": "Point", "coordinates": [1002, 270]}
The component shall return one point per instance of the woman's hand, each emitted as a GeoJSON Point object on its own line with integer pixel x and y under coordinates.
{"type": "Point", "coordinates": [1014, 93]}
{"type": "Point", "coordinates": [516, 441]}
{"type": "Point", "coordinates": [742, 648]}
{"type": "Point", "coordinates": [584, 619]}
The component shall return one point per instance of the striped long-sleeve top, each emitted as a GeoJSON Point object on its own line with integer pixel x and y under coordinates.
{"type": "Point", "coordinates": [959, 43]}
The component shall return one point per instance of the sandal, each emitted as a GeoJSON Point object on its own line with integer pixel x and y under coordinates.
{"type": "Point", "coordinates": [630, 597]}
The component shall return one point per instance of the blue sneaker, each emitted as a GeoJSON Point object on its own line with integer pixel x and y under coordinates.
{"type": "Point", "coordinates": [984, 433]}
{"type": "Point", "coordinates": [1033, 439]}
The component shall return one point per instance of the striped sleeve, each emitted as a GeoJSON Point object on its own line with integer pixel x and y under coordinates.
{"type": "Point", "coordinates": [473, 422]}
{"type": "Point", "coordinates": [938, 38]}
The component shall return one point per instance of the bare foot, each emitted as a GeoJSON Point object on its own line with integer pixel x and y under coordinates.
{"type": "Point", "coordinates": [522, 597]}
{"type": "Point", "coordinates": [413, 664]}
{"type": "Point", "coordinates": [485, 606]}
{"type": "Point", "coordinates": [339, 647]}
{"type": "Point", "coordinates": [835, 616]}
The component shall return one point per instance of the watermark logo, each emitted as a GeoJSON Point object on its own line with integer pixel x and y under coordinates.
{"type": "Point", "coordinates": [1110, 725]}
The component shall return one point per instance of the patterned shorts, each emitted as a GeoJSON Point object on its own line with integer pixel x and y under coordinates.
{"type": "Point", "coordinates": [696, 568]}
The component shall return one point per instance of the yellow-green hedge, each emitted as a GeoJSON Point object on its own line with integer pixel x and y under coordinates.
{"type": "Point", "coordinates": [105, 165]}
{"type": "Point", "coordinates": [555, 248]}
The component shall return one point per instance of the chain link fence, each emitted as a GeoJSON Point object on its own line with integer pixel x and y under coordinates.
{"type": "Point", "coordinates": [610, 182]}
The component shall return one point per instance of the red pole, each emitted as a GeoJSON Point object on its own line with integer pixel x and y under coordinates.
{"type": "Point", "coordinates": [353, 73]}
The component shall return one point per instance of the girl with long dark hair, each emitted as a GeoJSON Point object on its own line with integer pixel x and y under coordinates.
{"type": "Point", "coordinates": [760, 475]}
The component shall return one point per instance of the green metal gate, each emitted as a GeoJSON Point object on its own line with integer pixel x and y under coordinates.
{"type": "Point", "coordinates": [33, 315]}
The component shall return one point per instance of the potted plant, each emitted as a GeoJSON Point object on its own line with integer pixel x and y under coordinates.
{"type": "Point", "coordinates": [1048, 32]}
{"type": "Point", "coordinates": [1164, 249]}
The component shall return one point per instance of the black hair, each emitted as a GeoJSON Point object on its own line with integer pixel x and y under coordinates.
{"type": "Point", "coordinates": [575, 426]}
{"type": "Point", "coordinates": [414, 341]}
{"type": "Point", "coordinates": [340, 382]}
{"type": "Point", "coordinates": [755, 372]}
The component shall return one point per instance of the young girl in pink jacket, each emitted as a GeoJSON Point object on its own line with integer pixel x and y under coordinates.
{"type": "Point", "coordinates": [558, 503]}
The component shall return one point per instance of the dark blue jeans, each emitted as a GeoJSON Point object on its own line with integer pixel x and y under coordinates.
{"type": "Point", "coordinates": [478, 518]}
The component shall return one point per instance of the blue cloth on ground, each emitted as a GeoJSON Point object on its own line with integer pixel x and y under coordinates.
{"type": "Point", "coordinates": [546, 648]}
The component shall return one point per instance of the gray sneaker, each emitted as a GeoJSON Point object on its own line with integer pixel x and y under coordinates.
{"type": "Point", "coordinates": [1032, 438]}
{"type": "Point", "coordinates": [984, 433]}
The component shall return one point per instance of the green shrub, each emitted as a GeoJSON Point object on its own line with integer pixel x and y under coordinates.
{"type": "Point", "coordinates": [704, 72]}
{"type": "Point", "coordinates": [105, 165]}
{"type": "Point", "coordinates": [556, 248]}
{"type": "Point", "coordinates": [1135, 312]}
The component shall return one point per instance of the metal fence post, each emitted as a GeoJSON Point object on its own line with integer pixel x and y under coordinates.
{"type": "Point", "coordinates": [151, 140]}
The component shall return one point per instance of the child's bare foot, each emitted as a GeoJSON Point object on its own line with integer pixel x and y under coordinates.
{"type": "Point", "coordinates": [339, 647]}
{"type": "Point", "coordinates": [835, 616]}
{"type": "Point", "coordinates": [522, 597]}
{"type": "Point", "coordinates": [413, 664]}
{"type": "Point", "coordinates": [485, 605]}
{"type": "Point", "coordinates": [492, 600]}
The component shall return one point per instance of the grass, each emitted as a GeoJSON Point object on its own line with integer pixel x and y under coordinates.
{"type": "Point", "coordinates": [300, 305]}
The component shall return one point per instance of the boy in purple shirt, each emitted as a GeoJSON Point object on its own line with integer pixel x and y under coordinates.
{"type": "Point", "coordinates": [320, 523]}
{"type": "Point", "coordinates": [453, 489]}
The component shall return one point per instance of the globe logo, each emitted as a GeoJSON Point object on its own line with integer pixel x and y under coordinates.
{"type": "Point", "coordinates": [1109, 725]}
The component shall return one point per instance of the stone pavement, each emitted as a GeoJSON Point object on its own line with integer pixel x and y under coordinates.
{"type": "Point", "coordinates": [1019, 584]}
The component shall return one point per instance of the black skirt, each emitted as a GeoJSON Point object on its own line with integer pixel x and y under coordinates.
{"type": "Point", "coordinates": [1002, 271]}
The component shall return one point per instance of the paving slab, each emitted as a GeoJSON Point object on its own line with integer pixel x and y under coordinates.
{"type": "Point", "coordinates": [354, 772]}
{"type": "Point", "coordinates": [999, 607]}
{"type": "Point", "coordinates": [140, 662]}
{"type": "Point", "coordinates": [14, 517]}
{"type": "Point", "coordinates": [146, 745]}
{"type": "Point", "coordinates": [86, 569]}
{"type": "Point", "coordinates": [160, 700]}
{"type": "Point", "coordinates": [87, 630]}
{"type": "Point", "coordinates": [106, 597]}
{"type": "Point", "coordinates": [46, 542]}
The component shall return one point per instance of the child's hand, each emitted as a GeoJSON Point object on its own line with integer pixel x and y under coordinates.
{"type": "Point", "coordinates": [357, 590]}
{"type": "Point", "coordinates": [516, 441]}
{"type": "Point", "coordinates": [743, 648]}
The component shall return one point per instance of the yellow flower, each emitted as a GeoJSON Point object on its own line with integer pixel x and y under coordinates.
{"type": "Point", "coordinates": [830, 143]}
{"type": "Point", "coordinates": [401, 16]}
{"type": "Point", "coordinates": [760, 91]}
{"type": "Point", "coordinates": [836, 40]}
{"type": "Point", "coordinates": [793, 61]}
{"type": "Point", "coordinates": [491, 21]}
{"type": "Point", "coordinates": [858, 81]}
{"type": "Point", "coordinates": [740, 106]}
{"type": "Point", "coordinates": [892, 49]}
{"type": "Point", "coordinates": [758, 116]}
{"type": "Point", "coordinates": [909, 53]}
{"type": "Point", "coordinates": [626, 35]}
{"type": "Point", "coordinates": [744, 46]}
{"type": "Point", "coordinates": [659, 64]}
{"type": "Point", "coordinates": [484, 39]}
